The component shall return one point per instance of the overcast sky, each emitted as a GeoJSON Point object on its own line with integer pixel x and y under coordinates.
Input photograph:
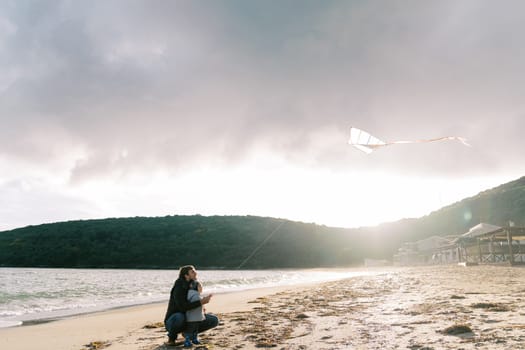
{"type": "Point", "coordinates": [152, 108]}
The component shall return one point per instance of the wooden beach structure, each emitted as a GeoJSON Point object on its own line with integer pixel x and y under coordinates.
{"type": "Point", "coordinates": [490, 244]}
{"type": "Point", "coordinates": [482, 244]}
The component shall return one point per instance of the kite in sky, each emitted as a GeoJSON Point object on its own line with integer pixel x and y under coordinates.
{"type": "Point", "coordinates": [367, 143]}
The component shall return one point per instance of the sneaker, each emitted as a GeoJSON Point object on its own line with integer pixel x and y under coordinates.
{"type": "Point", "coordinates": [195, 341]}
{"type": "Point", "coordinates": [187, 343]}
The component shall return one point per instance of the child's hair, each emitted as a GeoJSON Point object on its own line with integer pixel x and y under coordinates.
{"type": "Point", "coordinates": [196, 285]}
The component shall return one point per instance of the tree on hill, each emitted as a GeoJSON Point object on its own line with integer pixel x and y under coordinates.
{"type": "Point", "coordinates": [227, 241]}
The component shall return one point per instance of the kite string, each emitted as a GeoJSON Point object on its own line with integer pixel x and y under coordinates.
{"type": "Point", "coordinates": [260, 245]}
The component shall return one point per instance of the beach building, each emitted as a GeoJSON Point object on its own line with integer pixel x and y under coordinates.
{"type": "Point", "coordinates": [481, 244]}
{"type": "Point", "coordinates": [490, 244]}
{"type": "Point", "coordinates": [431, 250]}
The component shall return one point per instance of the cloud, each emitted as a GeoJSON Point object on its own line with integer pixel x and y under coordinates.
{"type": "Point", "coordinates": [32, 201]}
{"type": "Point", "coordinates": [175, 84]}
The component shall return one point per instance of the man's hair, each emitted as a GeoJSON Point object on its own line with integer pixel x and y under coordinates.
{"type": "Point", "coordinates": [184, 270]}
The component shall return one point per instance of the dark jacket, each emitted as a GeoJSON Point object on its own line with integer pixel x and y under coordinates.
{"type": "Point", "coordinates": [178, 299]}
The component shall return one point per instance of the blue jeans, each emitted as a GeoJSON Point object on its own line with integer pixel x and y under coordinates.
{"type": "Point", "coordinates": [176, 323]}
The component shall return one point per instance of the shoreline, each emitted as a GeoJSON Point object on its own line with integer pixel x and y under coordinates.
{"type": "Point", "coordinates": [34, 318]}
{"type": "Point", "coordinates": [43, 320]}
{"type": "Point", "coordinates": [439, 307]}
{"type": "Point", "coordinates": [75, 332]}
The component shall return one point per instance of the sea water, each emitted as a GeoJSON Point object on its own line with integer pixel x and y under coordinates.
{"type": "Point", "coordinates": [30, 295]}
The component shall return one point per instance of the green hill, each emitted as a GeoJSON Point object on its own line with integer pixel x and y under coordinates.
{"type": "Point", "coordinates": [227, 241]}
{"type": "Point", "coordinates": [215, 241]}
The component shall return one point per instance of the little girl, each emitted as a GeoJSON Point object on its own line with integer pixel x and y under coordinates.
{"type": "Point", "coordinates": [193, 316]}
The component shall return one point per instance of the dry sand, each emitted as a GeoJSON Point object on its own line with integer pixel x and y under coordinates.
{"type": "Point", "coordinates": [452, 307]}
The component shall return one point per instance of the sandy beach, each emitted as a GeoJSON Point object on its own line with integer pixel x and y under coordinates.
{"type": "Point", "coordinates": [445, 307]}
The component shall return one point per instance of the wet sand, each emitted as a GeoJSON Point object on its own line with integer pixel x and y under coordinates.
{"type": "Point", "coordinates": [423, 308]}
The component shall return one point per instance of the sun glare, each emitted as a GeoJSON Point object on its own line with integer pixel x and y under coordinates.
{"type": "Point", "coordinates": [342, 199]}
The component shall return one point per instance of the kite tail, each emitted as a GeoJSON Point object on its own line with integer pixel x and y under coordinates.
{"type": "Point", "coordinates": [458, 138]}
{"type": "Point", "coordinates": [367, 143]}
{"type": "Point", "coordinates": [463, 141]}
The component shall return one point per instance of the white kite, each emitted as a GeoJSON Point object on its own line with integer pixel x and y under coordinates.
{"type": "Point", "coordinates": [367, 143]}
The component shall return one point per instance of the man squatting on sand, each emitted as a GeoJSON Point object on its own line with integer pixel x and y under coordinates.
{"type": "Point", "coordinates": [175, 320]}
